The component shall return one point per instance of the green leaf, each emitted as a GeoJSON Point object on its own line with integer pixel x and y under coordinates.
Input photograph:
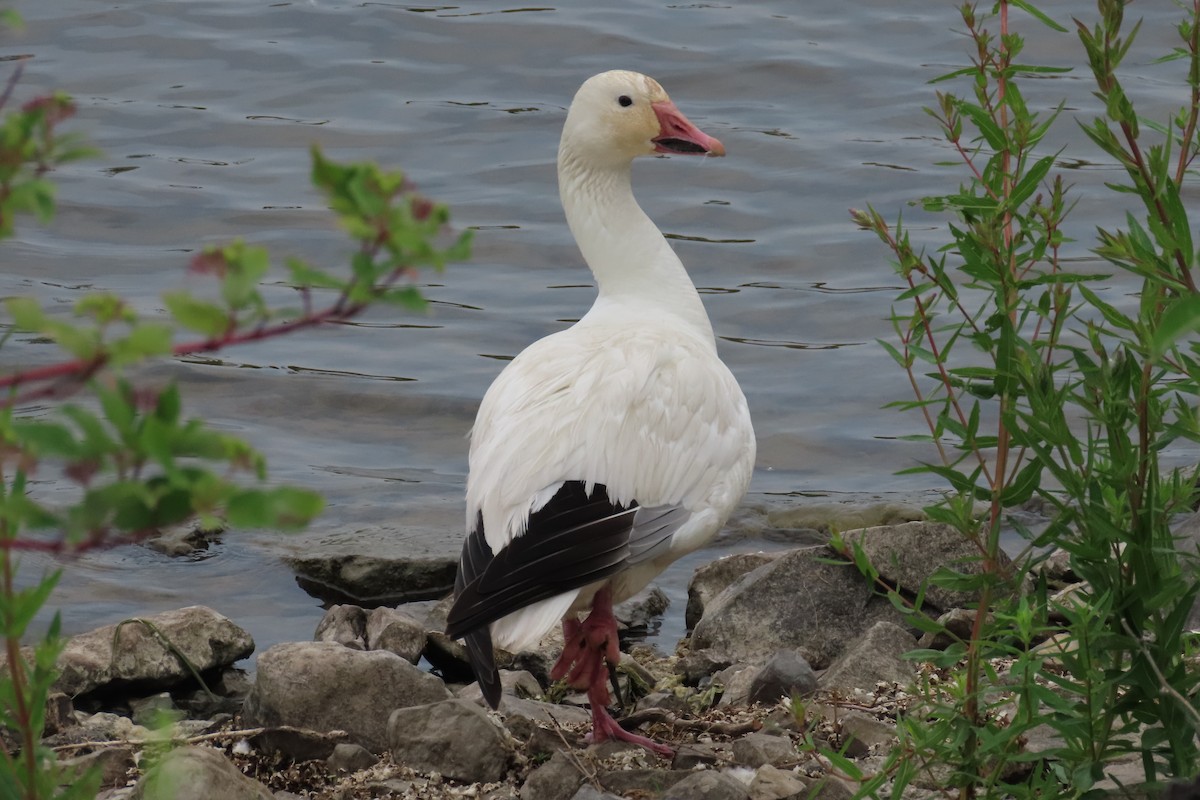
{"type": "Point", "coordinates": [198, 315]}
{"type": "Point", "coordinates": [1181, 318]}
{"type": "Point", "coordinates": [47, 438]}
{"type": "Point", "coordinates": [27, 313]}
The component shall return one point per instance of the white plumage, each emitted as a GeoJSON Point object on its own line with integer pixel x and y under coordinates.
{"type": "Point", "coordinates": [633, 398]}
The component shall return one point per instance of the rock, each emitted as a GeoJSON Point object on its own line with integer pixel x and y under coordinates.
{"type": "Point", "coordinates": [298, 744]}
{"type": "Point", "coordinates": [756, 749]}
{"type": "Point", "coordinates": [113, 763]}
{"type": "Point", "coordinates": [323, 686]}
{"type": "Point", "coordinates": [372, 579]}
{"type": "Point", "coordinates": [557, 779]}
{"type": "Point", "coordinates": [707, 785]}
{"type": "Point", "coordinates": [204, 637]}
{"type": "Point", "coordinates": [798, 601]}
{"type": "Point", "coordinates": [344, 624]}
{"type": "Point", "coordinates": [871, 732]}
{"type": "Point", "coordinates": [515, 683]}
{"type": "Point", "coordinates": [107, 727]}
{"type": "Point", "coordinates": [843, 516]}
{"type": "Point", "coordinates": [907, 555]}
{"type": "Point", "coordinates": [696, 665]}
{"type": "Point", "coordinates": [784, 675]}
{"type": "Point", "coordinates": [772, 783]}
{"type": "Point", "coordinates": [956, 623]}
{"type": "Point", "coordinates": [648, 781]}
{"type": "Point", "coordinates": [60, 714]}
{"type": "Point", "coordinates": [713, 578]}
{"type": "Point", "coordinates": [589, 792]}
{"type": "Point", "coordinates": [877, 656]}
{"type": "Point", "coordinates": [455, 738]}
{"type": "Point", "coordinates": [396, 632]}
{"type": "Point", "coordinates": [197, 773]}
{"type": "Point", "coordinates": [546, 713]}
{"type": "Point", "coordinates": [735, 684]}
{"type": "Point", "coordinates": [151, 711]}
{"type": "Point", "coordinates": [350, 757]}
{"type": "Point", "coordinates": [642, 613]}
{"type": "Point", "coordinates": [690, 756]}
{"type": "Point", "coordinates": [830, 788]}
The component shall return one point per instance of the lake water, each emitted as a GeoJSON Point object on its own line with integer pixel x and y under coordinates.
{"type": "Point", "coordinates": [205, 112]}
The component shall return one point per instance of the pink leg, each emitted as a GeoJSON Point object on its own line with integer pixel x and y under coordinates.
{"type": "Point", "coordinates": [590, 646]}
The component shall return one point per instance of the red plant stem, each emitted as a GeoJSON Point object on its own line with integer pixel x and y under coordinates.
{"type": "Point", "coordinates": [82, 368]}
{"type": "Point", "coordinates": [18, 677]}
{"type": "Point", "coordinates": [1186, 151]}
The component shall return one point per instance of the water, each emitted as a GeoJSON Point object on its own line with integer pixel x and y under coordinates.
{"type": "Point", "coordinates": [205, 112]}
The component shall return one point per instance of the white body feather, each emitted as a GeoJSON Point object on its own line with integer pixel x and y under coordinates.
{"type": "Point", "coordinates": [633, 397]}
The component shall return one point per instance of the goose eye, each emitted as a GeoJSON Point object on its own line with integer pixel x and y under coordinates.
{"type": "Point", "coordinates": [625, 100]}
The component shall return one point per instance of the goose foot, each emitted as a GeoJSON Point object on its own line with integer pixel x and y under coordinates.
{"type": "Point", "coordinates": [588, 661]}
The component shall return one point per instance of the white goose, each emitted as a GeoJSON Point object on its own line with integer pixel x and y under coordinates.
{"type": "Point", "coordinates": [604, 452]}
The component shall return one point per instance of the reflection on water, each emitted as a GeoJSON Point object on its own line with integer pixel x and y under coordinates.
{"type": "Point", "coordinates": [818, 103]}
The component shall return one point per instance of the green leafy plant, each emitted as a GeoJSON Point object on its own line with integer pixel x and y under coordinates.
{"type": "Point", "coordinates": [1032, 384]}
{"type": "Point", "coordinates": [136, 461]}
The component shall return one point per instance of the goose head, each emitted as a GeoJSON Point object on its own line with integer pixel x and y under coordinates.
{"type": "Point", "coordinates": [617, 116]}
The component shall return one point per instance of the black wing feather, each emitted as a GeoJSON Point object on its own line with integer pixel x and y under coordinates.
{"type": "Point", "coordinates": [574, 540]}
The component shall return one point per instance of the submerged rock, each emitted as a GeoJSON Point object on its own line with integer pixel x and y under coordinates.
{"type": "Point", "coordinates": [377, 566]}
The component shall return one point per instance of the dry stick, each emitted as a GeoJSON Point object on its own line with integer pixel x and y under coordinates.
{"type": "Point", "coordinates": [245, 733]}
{"type": "Point", "coordinates": [1163, 685]}
{"type": "Point", "coordinates": [653, 715]}
{"type": "Point", "coordinates": [590, 775]}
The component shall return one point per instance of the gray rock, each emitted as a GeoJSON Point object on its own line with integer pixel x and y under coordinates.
{"type": "Point", "coordinates": [350, 757]}
{"type": "Point", "coordinates": [150, 711]}
{"type": "Point", "coordinates": [873, 733]}
{"type": "Point", "coordinates": [798, 601]}
{"type": "Point", "coordinates": [512, 707]}
{"type": "Point", "coordinates": [589, 792]}
{"type": "Point", "coordinates": [696, 665]}
{"type": "Point", "coordinates": [756, 749]}
{"type": "Point", "coordinates": [843, 516]}
{"type": "Point", "coordinates": [707, 785]}
{"type": "Point", "coordinates": [60, 714]}
{"type": "Point", "coordinates": [642, 612]}
{"type": "Point", "coordinates": [298, 744]}
{"type": "Point", "coordinates": [516, 683]}
{"type": "Point", "coordinates": [113, 763]}
{"type": "Point", "coordinates": [772, 783]}
{"type": "Point", "coordinates": [323, 686]}
{"type": "Point", "coordinates": [396, 632]}
{"type": "Point", "coordinates": [830, 788]}
{"type": "Point", "coordinates": [715, 577]}
{"type": "Point", "coordinates": [690, 756]}
{"type": "Point", "coordinates": [956, 626]}
{"type": "Point", "coordinates": [454, 737]}
{"type": "Point", "coordinates": [877, 656]}
{"type": "Point", "coordinates": [784, 675]}
{"type": "Point", "coordinates": [345, 625]}
{"type": "Point", "coordinates": [197, 773]}
{"type": "Point", "coordinates": [907, 555]}
{"type": "Point", "coordinates": [557, 779]}
{"type": "Point", "coordinates": [204, 637]}
{"type": "Point", "coordinates": [374, 579]}
{"type": "Point", "coordinates": [735, 683]}
{"type": "Point", "coordinates": [648, 781]}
